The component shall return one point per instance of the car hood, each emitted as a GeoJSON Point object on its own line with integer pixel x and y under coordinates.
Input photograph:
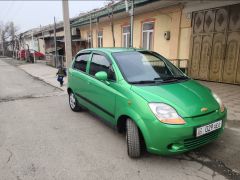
{"type": "Point", "coordinates": [187, 97]}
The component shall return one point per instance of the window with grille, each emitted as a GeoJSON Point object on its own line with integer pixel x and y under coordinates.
{"type": "Point", "coordinates": [100, 39]}
{"type": "Point", "coordinates": [126, 36]}
{"type": "Point", "coordinates": [147, 35]}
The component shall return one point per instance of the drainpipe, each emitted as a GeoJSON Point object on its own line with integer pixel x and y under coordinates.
{"type": "Point", "coordinates": [55, 43]}
{"type": "Point", "coordinates": [91, 31]}
{"type": "Point", "coordinates": [97, 27]}
{"type": "Point", "coordinates": [132, 16]}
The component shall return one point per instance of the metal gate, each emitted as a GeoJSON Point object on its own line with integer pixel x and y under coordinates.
{"type": "Point", "coordinates": [215, 53]}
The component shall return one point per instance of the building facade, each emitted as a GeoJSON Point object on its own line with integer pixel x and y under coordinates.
{"type": "Point", "coordinates": [202, 36]}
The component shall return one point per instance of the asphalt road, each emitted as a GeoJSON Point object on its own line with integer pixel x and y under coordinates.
{"type": "Point", "coordinates": [41, 138]}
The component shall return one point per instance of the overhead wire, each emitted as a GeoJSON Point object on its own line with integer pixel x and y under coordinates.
{"type": "Point", "coordinates": [5, 12]}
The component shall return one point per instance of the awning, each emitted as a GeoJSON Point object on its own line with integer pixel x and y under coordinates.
{"type": "Point", "coordinates": [49, 50]}
{"type": "Point", "coordinates": [78, 40]}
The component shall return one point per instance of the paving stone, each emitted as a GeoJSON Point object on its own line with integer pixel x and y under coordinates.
{"type": "Point", "coordinates": [204, 175]}
{"type": "Point", "coordinates": [207, 170]}
{"type": "Point", "coordinates": [219, 177]}
{"type": "Point", "coordinates": [230, 95]}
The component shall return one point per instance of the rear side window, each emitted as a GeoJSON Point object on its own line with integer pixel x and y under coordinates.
{"type": "Point", "coordinates": [81, 62]}
{"type": "Point", "coordinates": [100, 63]}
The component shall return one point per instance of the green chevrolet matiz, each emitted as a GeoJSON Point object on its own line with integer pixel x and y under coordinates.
{"type": "Point", "coordinates": [141, 93]}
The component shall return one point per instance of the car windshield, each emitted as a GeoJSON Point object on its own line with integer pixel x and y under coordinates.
{"type": "Point", "coordinates": [143, 67]}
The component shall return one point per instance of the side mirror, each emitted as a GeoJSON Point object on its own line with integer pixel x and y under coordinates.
{"type": "Point", "coordinates": [101, 75]}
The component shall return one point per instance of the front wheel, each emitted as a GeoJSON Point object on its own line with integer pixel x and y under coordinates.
{"type": "Point", "coordinates": [73, 102]}
{"type": "Point", "coordinates": [133, 139]}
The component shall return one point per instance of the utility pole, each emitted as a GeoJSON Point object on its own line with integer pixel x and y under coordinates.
{"type": "Point", "coordinates": [55, 43]}
{"type": "Point", "coordinates": [67, 32]}
{"type": "Point", "coordinates": [2, 42]}
{"type": "Point", "coordinates": [43, 39]}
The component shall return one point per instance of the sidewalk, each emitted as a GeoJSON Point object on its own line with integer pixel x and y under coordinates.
{"type": "Point", "coordinates": [44, 73]}
{"type": "Point", "coordinates": [230, 94]}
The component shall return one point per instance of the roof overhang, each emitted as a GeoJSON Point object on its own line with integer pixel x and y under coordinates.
{"type": "Point", "coordinates": [191, 6]}
{"type": "Point", "coordinates": [119, 11]}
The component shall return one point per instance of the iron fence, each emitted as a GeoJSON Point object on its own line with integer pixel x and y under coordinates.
{"type": "Point", "coordinates": [182, 64]}
{"type": "Point", "coordinates": [55, 61]}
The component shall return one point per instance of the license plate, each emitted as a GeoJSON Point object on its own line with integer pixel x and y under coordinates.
{"type": "Point", "coordinates": [208, 128]}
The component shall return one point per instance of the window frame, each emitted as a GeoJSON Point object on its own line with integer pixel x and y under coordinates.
{"type": "Point", "coordinates": [148, 34]}
{"type": "Point", "coordinates": [125, 37]}
{"type": "Point", "coordinates": [107, 58]}
{"type": "Point", "coordinates": [100, 38]}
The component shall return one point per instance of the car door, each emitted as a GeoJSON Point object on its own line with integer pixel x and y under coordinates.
{"type": "Point", "coordinates": [78, 75]}
{"type": "Point", "coordinates": [101, 94]}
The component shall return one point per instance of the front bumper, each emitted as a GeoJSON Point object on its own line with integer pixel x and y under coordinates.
{"type": "Point", "coordinates": [168, 139]}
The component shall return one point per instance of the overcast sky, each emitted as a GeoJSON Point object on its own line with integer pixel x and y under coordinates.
{"type": "Point", "coordinates": [30, 14]}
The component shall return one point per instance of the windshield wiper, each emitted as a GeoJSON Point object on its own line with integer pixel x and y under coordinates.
{"type": "Point", "coordinates": [167, 79]}
{"type": "Point", "coordinates": [171, 78]}
{"type": "Point", "coordinates": [160, 80]}
{"type": "Point", "coordinates": [143, 82]}
{"type": "Point", "coordinates": [181, 77]}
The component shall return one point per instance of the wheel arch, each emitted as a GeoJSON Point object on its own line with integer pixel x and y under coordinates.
{"type": "Point", "coordinates": [121, 126]}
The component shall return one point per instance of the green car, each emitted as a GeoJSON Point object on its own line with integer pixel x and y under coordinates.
{"type": "Point", "coordinates": [141, 93]}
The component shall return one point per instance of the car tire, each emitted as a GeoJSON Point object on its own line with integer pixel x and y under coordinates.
{"type": "Point", "coordinates": [73, 102]}
{"type": "Point", "coordinates": [133, 139]}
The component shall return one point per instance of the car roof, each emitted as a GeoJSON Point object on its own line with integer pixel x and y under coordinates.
{"type": "Point", "coordinates": [112, 49]}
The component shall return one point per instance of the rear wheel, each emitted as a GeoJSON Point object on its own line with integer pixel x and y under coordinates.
{"type": "Point", "coordinates": [73, 102]}
{"type": "Point", "coordinates": [133, 139]}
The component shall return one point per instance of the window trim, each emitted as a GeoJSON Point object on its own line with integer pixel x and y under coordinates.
{"type": "Point", "coordinates": [150, 20]}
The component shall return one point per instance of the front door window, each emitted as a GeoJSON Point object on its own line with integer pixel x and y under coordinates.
{"type": "Point", "coordinates": [100, 63]}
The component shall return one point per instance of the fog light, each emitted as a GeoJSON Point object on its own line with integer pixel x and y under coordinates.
{"type": "Point", "coordinates": [175, 147]}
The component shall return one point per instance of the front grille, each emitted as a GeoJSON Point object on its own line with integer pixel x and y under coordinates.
{"type": "Point", "coordinates": [195, 142]}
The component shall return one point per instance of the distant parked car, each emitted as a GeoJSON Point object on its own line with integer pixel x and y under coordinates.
{"type": "Point", "coordinates": [22, 54]}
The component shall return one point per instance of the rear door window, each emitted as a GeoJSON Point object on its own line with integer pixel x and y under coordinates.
{"type": "Point", "coordinates": [81, 62]}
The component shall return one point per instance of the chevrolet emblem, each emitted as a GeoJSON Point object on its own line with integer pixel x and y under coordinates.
{"type": "Point", "coordinates": [204, 109]}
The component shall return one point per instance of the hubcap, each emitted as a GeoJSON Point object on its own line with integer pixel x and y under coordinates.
{"type": "Point", "coordinates": [72, 101]}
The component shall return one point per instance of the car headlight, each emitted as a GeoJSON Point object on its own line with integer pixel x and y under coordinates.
{"type": "Point", "coordinates": [222, 108]}
{"type": "Point", "coordinates": [165, 113]}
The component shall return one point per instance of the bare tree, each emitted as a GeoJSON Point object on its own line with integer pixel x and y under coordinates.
{"type": "Point", "coordinates": [110, 16]}
{"type": "Point", "coordinates": [8, 38]}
